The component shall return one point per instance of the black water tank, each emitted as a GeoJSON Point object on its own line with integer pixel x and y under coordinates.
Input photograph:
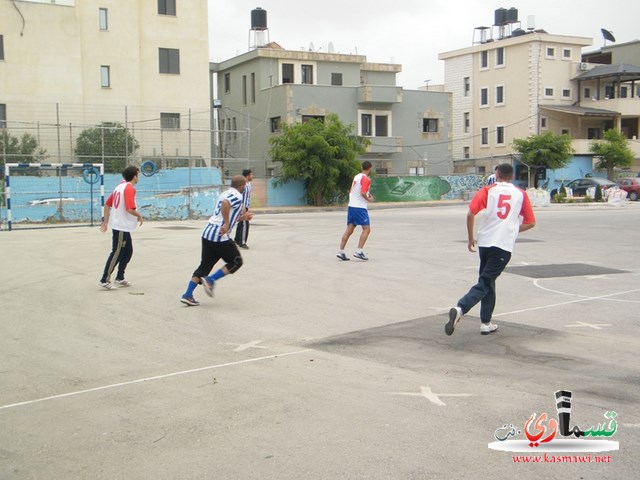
{"type": "Point", "coordinates": [258, 19]}
{"type": "Point", "coordinates": [518, 32]}
{"type": "Point", "coordinates": [500, 17]}
{"type": "Point", "coordinates": [512, 15]}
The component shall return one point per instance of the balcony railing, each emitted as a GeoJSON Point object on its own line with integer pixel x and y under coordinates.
{"type": "Point", "coordinates": [385, 145]}
{"type": "Point", "coordinates": [624, 106]}
{"type": "Point", "coordinates": [581, 146]}
{"type": "Point", "coordinates": [379, 94]}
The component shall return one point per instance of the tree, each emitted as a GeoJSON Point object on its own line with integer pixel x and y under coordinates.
{"type": "Point", "coordinates": [323, 154]}
{"type": "Point", "coordinates": [546, 150]}
{"type": "Point", "coordinates": [613, 151]}
{"type": "Point", "coordinates": [19, 150]}
{"type": "Point", "coordinates": [110, 141]}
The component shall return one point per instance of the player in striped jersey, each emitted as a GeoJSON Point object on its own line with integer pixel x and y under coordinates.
{"type": "Point", "coordinates": [507, 212]}
{"type": "Point", "coordinates": [216, 242]}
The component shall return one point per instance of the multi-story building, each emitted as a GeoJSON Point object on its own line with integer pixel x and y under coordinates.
{"type": "Point", "coordinates": [267, 86]}
{"type": "Point", "coordinates": [528, 82]}
{"type": "Point", "coordinates": [66, 65]}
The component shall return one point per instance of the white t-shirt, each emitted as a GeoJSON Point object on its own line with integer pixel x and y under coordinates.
{"type": "Point", "coordinates": [122, 198]}
{"type": "Point", "coordinates": [361, 184]}
{"type": "Point", "coordinates": [504, 206]}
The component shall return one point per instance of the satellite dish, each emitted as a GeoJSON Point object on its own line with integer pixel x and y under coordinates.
{"type": "Point", "coordinates": [608, 35]}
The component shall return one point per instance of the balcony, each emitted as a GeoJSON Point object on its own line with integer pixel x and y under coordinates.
{"type": "Point", "coordinates": [385, 145]}
{"type": "Point", "coordinates": [379, 94]}
{"type": "Point", "coordinates": [581, 146]}
{"type": "Point", "coordinates": [624, 106]}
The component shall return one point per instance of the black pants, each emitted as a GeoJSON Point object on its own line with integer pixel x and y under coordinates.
{"type": "Point", "coordinates": [242, 233]}
{"type": "Point", "coordinates": [493, 261]}
{"type": "Point", "coordinates": [214, 251]}
{"type": "Point", "coordinates": [121, 252]}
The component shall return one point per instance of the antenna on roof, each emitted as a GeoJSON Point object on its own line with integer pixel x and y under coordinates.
{"type": "Point", "coordinates": [607, 35]}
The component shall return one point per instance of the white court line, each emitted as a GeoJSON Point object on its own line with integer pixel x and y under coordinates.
{"type": "Point", "coordinates": [581, 299]}
{"type": "Point", "coordinates": [148, 379]}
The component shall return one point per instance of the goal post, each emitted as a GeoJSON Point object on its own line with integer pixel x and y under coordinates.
{"type": "Point", "coordinates": [92, 174]}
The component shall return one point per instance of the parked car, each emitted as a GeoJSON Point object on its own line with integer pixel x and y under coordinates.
{"type": "Point", "coordinates": [579, 186]}
{"type": "Point", "coordinates": [631, 185]}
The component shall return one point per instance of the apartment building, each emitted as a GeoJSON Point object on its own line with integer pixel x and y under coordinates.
{"type": "Point", "coordinates": [522, 83]}
{"type": "Point", "coordinates": [268, 85]}
{"type": "Point", "coordinates": [66, 65]}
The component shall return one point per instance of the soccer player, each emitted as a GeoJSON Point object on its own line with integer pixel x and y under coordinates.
{"type": "Point", "coordinates": [358, 213]}
{"type": "Point", "coordinates": [507, 211]}
{"type": "Point", "coordinates": [242, 230]}
{"type": "Point", "coordinates": [216, 242]}
{"type": "Point", "coordinates": [121, 215]}
{"type": "Point", "coordinates": [491, 179]}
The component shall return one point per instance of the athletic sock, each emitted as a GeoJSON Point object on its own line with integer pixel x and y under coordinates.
{"type": "Point", "coordinates": [217, 275]}
{"type": "Point", "coordinates": [190, 288]}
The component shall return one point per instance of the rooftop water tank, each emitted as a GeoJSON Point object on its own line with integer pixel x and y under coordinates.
{"type": "Point", "coordinates": [258, 19]}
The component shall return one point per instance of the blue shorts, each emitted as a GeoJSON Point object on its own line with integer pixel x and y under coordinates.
{"type": "Point", "coordinates": [358, 216]}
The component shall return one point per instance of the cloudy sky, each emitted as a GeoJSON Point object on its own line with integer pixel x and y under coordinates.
{"type": "Point", "coordinates": [408, 32]}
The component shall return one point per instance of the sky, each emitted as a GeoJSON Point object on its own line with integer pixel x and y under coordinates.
{"type": "Point", "coordinates": [408, 32]}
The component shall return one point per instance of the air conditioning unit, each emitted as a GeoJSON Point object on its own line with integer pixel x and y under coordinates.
{"type": "Point", "coordinates": [583, 66]}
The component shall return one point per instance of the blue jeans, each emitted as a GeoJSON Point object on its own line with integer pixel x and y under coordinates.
{"type": "Point", "coordinates": [493, 261]}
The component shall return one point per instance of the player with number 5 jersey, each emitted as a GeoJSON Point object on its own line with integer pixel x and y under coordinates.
{"type": "Point", "coordinates": [506, 212]}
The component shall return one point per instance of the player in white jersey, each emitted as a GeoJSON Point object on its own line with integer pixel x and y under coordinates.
{"type": "Point", "coordinates": [121, 215]}
{"type": "Point", "coordinates": [242, 230]}
{"type": "Point", "coordinates": [217, 243]}
{"type": "Point", "coordinates": [507, 212]}
{"type": "Point", "coordinates": [358, 213]}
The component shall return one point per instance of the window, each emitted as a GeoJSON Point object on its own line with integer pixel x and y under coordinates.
{"type": "Point", "coordinates": [566, 93]}
{"type": "Point", "coordinates": [167, 7]}
{"type": "Point", "coordinates": [484, 136]}
{"type": "Point", "coordinates": [169, 59]}
{"type": "Point", "coordinates": [374, 125]}
{"type": "Point", "coordinates": [593, 133]}
{"type": "Point", "coordinates": [105, 77]}
{"type": "Point", "coordinates": [500, 135]}
{"type": "Point", "coordinates": [484, 96]}
{"type": "Point", "coordinates": [287, 73]}
{"type": "Point", "coordinates": [550, 52]}
{"type": "Point", "coordinates": [3, 115]}
{"type": "Point", "coordinates": [484, 59]}
{"type": "Point", "coordinates": [609, 91]}
{"type": "Point", "coordinates": [466, 152]}
{"type": "Point", "coordinates": [467, 121]}
{"type": "Point", "coordinates": [227, 83]}
{"type": "Point", "coordinates": [548, 92]}
{"type": "Point", "coordinates": [307, 74]}
{"type": "Point", "coordinates": [382, 126]}
{"type": "Point", "coordinates": [624, 91]}
{"type": "Point", "coordinates": [170, 121]}
{"type": "Point", "coordinates": [500, 57]}
{"type": "Point", "coordinates": [543, 122]}
{"type": "Point", "coordinates": [103, 19]}
{"type": "Point", "coordinates": [587, 93]}
{"type": "Point", "coordinates": [429, 125]}
{"type": "Point", "coordinates": [253, 87]}
{"type": "Point", "coordinates": [500, 95]}
{"type": "Point", "coordinates": [244, 89]}
{"type": "Point", "coordinates": [306, 118]}
{"type": "Point", "coordinates": [565, 131]}
{"type": "Point", "coordinates": [275, 124]}
{"type": "Point", "coordinates": [466, 89]}
{"type": "Point", "coordinates": [1, 47]}
{"type": "Point", "coordinates": [566, 54]}
{"type": "Point", "coordinates": [336, 79]}
{"type": "Point", "coordinates": [366, 126]}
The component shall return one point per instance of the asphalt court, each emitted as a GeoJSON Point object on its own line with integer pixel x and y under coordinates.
{"type": "Point", "coordinates": [304, 366]}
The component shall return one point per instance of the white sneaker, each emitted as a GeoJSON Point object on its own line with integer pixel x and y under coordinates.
{"type": "Point", "coordinates": [455, 314]}
{"type": "Point", "coordinates": [123, 283]}
{"type": "Point", "coordinates": [487, 328]}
